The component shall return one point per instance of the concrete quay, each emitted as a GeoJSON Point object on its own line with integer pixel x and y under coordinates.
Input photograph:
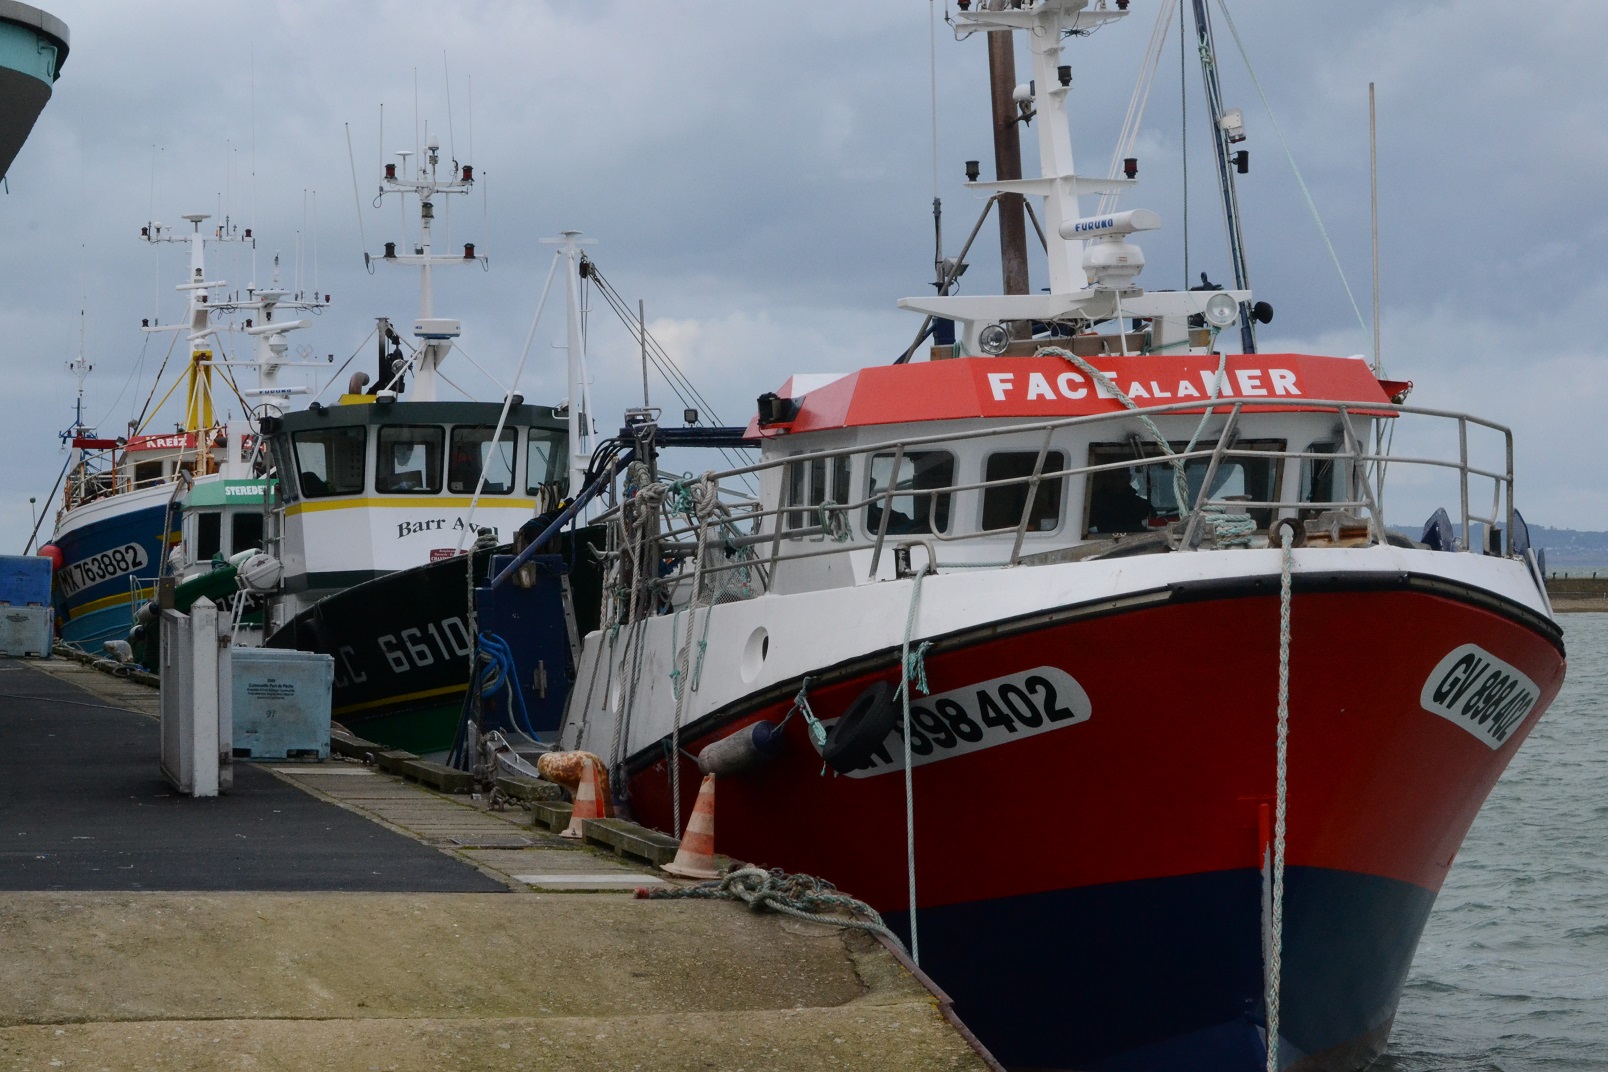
{"type": "Point", "coordinates": [332, 917]}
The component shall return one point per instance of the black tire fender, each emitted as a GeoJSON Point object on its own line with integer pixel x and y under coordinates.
{"type": "Point", "coordinates": [863, 726]}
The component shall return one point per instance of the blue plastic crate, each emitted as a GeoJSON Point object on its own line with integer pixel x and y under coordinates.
{"type": "Point", "coordinates": [24, 580]}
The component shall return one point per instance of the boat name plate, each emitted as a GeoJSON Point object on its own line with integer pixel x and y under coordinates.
{"type": "Point", "coordinates": [1479, 692]}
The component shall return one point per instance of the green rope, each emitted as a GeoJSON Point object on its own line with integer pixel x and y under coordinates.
{"type": "Point", "coordinates": [801, 706]}
{"type": "Point", "coordinates": [832, 521]}
{"type": "Point", "coordinates": [1180, 481]}
{"type": "Point", "coordinates": [1228, 529]}
{"type": "Point", "coordinates": [805, 897]}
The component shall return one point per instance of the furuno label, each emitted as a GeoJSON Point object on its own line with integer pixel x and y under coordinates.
{"type": "Point", "coordinates": [1481, 693]}
{"type": "Point", "coordinates": [990, 713]}
{"type": "Point", "coordinates": [96, 568]}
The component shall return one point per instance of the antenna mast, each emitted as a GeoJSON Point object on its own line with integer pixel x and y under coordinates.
{"type": "Point", "coordinates": [1227, 129]}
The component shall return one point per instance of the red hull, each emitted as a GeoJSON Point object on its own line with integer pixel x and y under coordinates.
{"type": "Point", "coordinates": [1173, 773]}
{"type": "Point", "coordinates": [1169, 775]}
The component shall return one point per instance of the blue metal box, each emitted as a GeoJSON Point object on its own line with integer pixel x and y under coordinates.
{"type": "Point", "coordinates": [24, 580]}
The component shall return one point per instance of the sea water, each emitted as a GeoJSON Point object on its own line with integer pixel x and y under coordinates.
{"type": "Point", "coordinates": [1512, 971]}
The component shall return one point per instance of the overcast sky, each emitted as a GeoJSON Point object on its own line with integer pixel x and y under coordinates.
{"type": "Point", "coordinates": [761, 174]}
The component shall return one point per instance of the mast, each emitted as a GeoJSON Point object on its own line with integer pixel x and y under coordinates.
{"type": "Point", "coordinates": [1008, 161]}
{"type": "Point", "coordinates": [198, 381]}
{"type": "Point", "coordinates": [435, 334]}
{"type": "Point", "coordinates": [580, 392]}
{"type": "Point", "coordinates": [267, 333]}
{"type": "Point", "coordinates": [1226, 130]}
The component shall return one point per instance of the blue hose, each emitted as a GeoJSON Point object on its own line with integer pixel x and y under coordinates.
{"type": "Point", "coordinates": [498, 671]}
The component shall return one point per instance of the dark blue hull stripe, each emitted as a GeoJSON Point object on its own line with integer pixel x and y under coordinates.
{"type": "Point", "coordinates": [1166, 974]}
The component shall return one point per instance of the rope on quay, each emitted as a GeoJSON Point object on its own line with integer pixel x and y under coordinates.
{"type": "Point", "coordinates": [804, 897]}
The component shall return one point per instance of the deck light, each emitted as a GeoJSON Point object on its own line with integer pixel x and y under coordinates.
{"type": "Point", "coordinates": [1242, 161]}
{"type": "Point", "coordinates": [1221, 310]}
{"type": "Point", "coordinates": [994, 339]}
{"type": "Point", "coordinates": [1064, 73]}
{"type": "Point", "coordinates": [390, 251]}
{"type": "Point", "coordinates": [689, 416]}
{"type": "Point", "coordinates": [973, 169]}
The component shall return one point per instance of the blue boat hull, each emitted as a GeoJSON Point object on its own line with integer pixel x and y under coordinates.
{"type": "Point", "coordinates": [108, 566]}
{"type": "Point", "coordinates": [1349, 941]}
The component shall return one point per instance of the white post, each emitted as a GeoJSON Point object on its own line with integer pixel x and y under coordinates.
{"type": "Point", "coordinates": [204, 712]}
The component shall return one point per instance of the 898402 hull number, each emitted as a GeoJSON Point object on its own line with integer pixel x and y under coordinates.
{"type": "Point", "coordinates": [990, 713]}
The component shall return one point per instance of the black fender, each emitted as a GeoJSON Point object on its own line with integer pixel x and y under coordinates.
{"type": "Point", "coordinates": [863, 726]}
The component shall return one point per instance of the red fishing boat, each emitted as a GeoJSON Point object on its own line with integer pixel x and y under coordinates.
{"type": "Point", "coordinates": [1097, 667]}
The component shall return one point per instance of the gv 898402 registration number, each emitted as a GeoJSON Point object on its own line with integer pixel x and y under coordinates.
{"type": "Point", "coordinates": [990, 713]}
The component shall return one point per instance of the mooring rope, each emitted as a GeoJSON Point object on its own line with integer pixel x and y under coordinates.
{"type": "Point", "coordinates": [912, 668]}
{"type": "Point", "coordinates": [1228, 529]}
{"type": "Point", "coordinates": [805, 897]}
{"type": "Point", "coordinates": [1275, 959]}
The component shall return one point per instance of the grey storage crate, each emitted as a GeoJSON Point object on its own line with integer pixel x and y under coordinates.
{"type": "Point", "coordinates": [280, 703]}
{"type": "Point", "coordinates": [25, 630]}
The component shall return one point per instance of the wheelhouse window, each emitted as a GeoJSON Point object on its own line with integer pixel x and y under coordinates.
{"type": "Point", "coordinates": [1004, 505]}
{"type": "Point", "coordinates": [1323, 480]}
{"type": "Point", "coordinates": [329, 461]}
{"type": "Point", "coordinates": [147, 473]}
{"type": "Point", "coordinates": [546, 460]}
{"type": "Point", "coordinates": [409, 459]}
{"type": "Point", "coordinates": [474, 451]}
{"type": "Point", "coordinates": [917, 504]}
{"type": "Point", "coordinates": [809, 484]}
{"type": "Point", "coordinates": [245, 532]}
{"type": "Point", "coordinates": [1141, 498]}
{"type": "Point", "coordinates": [208, 534]}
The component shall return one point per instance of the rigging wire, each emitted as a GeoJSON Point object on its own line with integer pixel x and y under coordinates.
{"type": "Point", "coordinates": [337, 374]}
{"type": "Point", "coordinates": [932, 63]}
{"type": "Point", "coordinates": [132, 376]}
{"type": "Point", "coordinates": [452, 138]}
{"type": "Point", "coordinates": [357, 200]}
{"type": "Point", "coordinates": [139, 422]}
{"type": "Point", "coordinates": [1183, 132]}
{"type": "Point", "coordinates": [1137, 103]}
{"type": "Point", "coordinates": [1290, 157]}
{"type": "Point", "coordinates": [679, 383]}
{"type": "Point", "coordinates": [46, 511]}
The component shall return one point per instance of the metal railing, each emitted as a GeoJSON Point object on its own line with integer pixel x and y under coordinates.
{"type": "Point", "coordinates": [752, 535]}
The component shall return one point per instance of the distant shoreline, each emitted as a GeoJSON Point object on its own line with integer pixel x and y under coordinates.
{"type": "Point", "coordinates": [1580, 606]}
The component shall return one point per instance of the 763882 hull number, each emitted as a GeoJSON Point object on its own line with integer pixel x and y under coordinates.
{"type": "Point", "coordinates": [990, 713]}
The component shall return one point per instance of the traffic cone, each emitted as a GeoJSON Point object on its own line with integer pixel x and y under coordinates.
{"type": "Point", "coordinates": [696, 856]}
{"type": "Point", "coordinates": [589, 797]}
